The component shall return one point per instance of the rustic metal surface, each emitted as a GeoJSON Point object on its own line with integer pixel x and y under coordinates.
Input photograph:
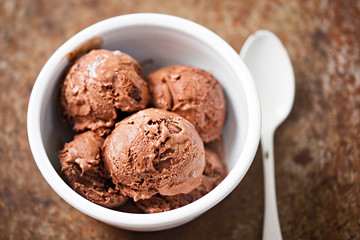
{"type": "Point", "coordinates": [317, 149]}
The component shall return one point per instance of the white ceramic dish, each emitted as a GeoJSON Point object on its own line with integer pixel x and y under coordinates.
{"type": "Point", "coordinates": [167, 40]}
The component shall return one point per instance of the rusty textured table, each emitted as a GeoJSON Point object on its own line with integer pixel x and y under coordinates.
{"type": "Point", "coordinates": [317, 149]}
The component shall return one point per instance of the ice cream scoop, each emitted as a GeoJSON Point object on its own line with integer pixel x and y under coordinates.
{"type": "Point", "coordinates": [98, 84]}
{"type": "Point", "coordinates": [214, 172]}
{"type": "Point", "coordinates": [154, 151]}
{"type": "Point", "coordinates": [193, 94]}
{"type": "Point", "coordinates": [83, 170]}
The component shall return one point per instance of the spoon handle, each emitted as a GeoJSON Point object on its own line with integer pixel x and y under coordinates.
{"type": "Point", "coordinates": [271, 230]}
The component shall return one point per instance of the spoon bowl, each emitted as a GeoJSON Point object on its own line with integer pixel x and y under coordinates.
{"type": "Point", "coordinates": [274, 80]}
{"type": "Point", "coordinates": [270, 66]}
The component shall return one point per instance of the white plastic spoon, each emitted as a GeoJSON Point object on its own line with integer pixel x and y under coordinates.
{"type": "Point", "coordinates": [270, 66]}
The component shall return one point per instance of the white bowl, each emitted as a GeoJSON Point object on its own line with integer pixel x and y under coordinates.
{"type": "Point", "coordinates": [167, 40]}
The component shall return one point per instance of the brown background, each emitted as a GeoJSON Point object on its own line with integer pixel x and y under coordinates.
{"type": "Point", "coordinates": [317, 149]}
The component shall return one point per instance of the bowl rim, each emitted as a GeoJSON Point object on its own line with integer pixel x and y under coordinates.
{"type": "Point", "coordinates": [135, 220]}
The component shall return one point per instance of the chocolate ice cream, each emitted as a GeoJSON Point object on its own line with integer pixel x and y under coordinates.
{"type": "Point", "coordinates": [215, 171]}
{"type": "Point", "coordinates": [98, 84]}
{"type": "Point", "coordinates": [83, 170]}
{"type": "Point", "coordinates": [154, 152]}
{"type": "Point", "coordinates": [155, 157]}
{"type": "Point", "coordinates": [193, 94]}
